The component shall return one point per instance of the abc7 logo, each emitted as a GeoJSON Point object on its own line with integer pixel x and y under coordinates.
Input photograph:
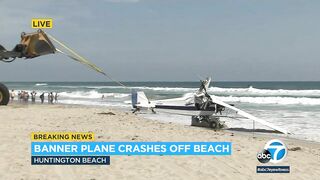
{"type": "Point", "coordinates": [274, 151]}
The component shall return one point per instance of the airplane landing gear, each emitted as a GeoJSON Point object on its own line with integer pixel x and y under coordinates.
{"type": "Point", "coordinates": [207, 121]}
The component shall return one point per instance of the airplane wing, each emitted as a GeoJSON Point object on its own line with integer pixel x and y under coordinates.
{"type": "Point", "coordinates": [249, 116]}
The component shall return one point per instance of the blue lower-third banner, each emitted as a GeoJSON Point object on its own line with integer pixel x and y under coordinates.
{"type": "Point", "coordinates": [70, 160]}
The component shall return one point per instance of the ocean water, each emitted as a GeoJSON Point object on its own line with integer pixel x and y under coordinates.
{"type": "Point", "coordinates": [294, 106]}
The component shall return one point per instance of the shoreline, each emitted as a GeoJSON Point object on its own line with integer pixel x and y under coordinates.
{"type": "Point", "coordinates": [242, 131]}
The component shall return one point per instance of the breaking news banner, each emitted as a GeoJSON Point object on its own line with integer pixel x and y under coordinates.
{"type": "Point", "coordinates": [72, 148]}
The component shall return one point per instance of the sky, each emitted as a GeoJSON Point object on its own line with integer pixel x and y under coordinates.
{"type": "Point", "coordinates": [169, 40]}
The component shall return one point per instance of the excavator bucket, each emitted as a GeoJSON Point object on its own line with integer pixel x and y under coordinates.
{"type": "Point", "coordinates": [31, 45]}
{"type": "Point", "coordinates": [36, 44]}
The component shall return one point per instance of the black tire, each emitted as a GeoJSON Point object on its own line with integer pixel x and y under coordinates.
{"type": "Point", "coordinates": [4, 95]}
{"type": "Point", "coordinates": [213, 125]}
{"type": "Point", "coordinates": [194, 120]}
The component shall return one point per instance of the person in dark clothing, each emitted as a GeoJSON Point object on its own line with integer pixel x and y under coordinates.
{"type": "Point", "coordinates": [51, 98]}
{"type": "Point", "coordinates": [56, 97]}
{"type": "Point", "coordinates": [42, 98]}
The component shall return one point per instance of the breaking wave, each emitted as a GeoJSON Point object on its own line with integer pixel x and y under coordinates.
{"type": "Point", "coordinates": [250, 91]}
{"type": "Point", "coordinates": [41, 84]}
{"type": "Point", "coordinates": [91, 95]}
{"type": "Point", "coordinates": [273, 100]}
{"type": "Point", "coordinates": [265, 92]}
{"type": "Point", "coordinates": [241, 91]}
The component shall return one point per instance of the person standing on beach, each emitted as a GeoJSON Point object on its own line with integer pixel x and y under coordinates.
{"type": "Point", "coordinates": [56, 97]}
{"type": "Point", "coordinates": [26, 96]}
{"type": "Point", "coordinates": [19, 95]}
{"type": "Point", "coordinates": [12, 94]}
{"type": "Point", "coordinates": [42, 98]}
{"type": "Point", "coordinates": [51, 98]}
{"type": "Point", "coordinates": [33, 96]}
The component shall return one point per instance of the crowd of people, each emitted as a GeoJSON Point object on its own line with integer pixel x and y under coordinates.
{"type": "Point", "coordinates": [24, 96]}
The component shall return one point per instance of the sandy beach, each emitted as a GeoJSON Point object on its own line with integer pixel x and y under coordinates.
{"type": "Point", "coordinates": [18, 121]}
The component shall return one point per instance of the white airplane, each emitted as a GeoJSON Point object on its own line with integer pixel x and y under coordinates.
{"type": "Point", "coordinates": [205, 109]}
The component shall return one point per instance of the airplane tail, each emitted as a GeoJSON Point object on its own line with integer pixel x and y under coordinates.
{"type": "Point", "coordinates": [139, 100]}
